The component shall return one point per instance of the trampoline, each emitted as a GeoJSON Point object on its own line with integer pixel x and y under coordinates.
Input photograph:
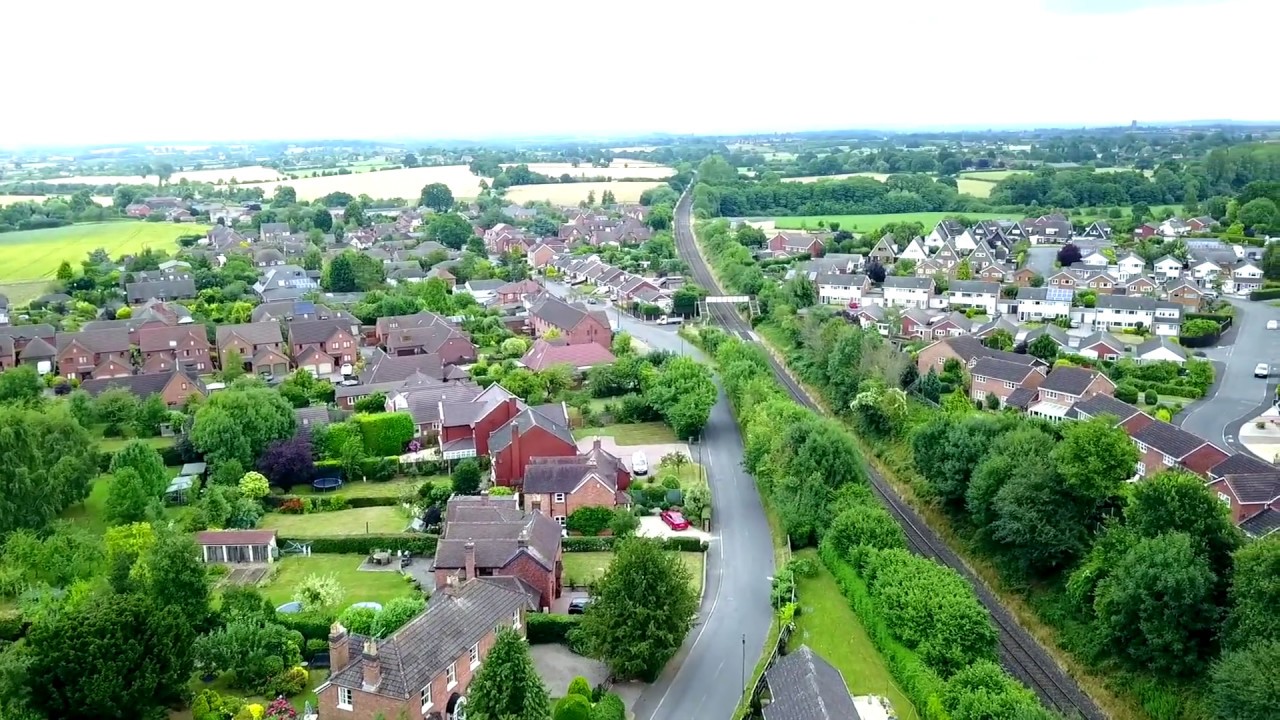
{"type": "Point", "coordinates": [376, 607]}
{"type": "Point", "coordinates": [290, 608]}
{"type": "Point", "coordinates": [325, 484]}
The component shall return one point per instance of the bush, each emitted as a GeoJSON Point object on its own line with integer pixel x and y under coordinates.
{"type": "Point", "coordinates": [364, 544]}
{"type": "Point", "coordinates": [12, 626]}
{"type": "Point", "coordinates": [315, 647]}
{"type": "Point", "coordinates": [379, 469]}
{"type": "Point", "coordinates": [289, 683]}
{"type": "Point", "coordinates": [328, 468]}
{"type": "Point", "coordinates": [1265, 294]}
{"type": "Point", "coordinates": [312, 624]}
{"type": "Point", "coordinates": [606, 544]}
{"type": "Point", "coordinates": [550, 628]}
{"type": "Point", "coordinates": [572, 707]}
{"type": "Point", "coordinates": [1150, 397]}
{"type": "Point", "coordinates": [385, 433]}
{"type": "Point", "coordinates": [610, 707]}
{"type": "Point", "coordinates": [1127, 393]}
{"type": "Point", "coordinates": [590, 520]}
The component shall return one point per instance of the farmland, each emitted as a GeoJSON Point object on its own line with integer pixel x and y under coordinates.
{"type": "Point", "coordinates": [617, 169]}
{"type": "Point", "coordinates": [103, 200]}
{"type": "Point", "coordinates": [863, 223]}
{"type": "Point", "coordinates": [36, 254]}
{"type": "Point", "coordinates": [815, 178]}
{"type": "Point", "coordinates": [250, 173]}
{"type": "Point", "coordinates": [406, 183]}
{"type": "Point", "coordinates": [573, 193]}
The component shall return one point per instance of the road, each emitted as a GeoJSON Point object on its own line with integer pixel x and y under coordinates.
{"type": "Point", "coordinates": [1020, 654]}
{"type": "Point", "coordinates": [1237, 396]}
{"type": "Point", "coordinates": [706, 678]}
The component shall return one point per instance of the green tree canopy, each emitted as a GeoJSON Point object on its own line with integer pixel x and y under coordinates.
{"type": "Point", "coordinates": [436, 196]}
{"type": "Point", "coordinates": [507, 686]}
{"type": "Point", "coordinates": [1255, 594]}
{"type": "Point", "coordinates": [47, 463]}
{"type": "Point", "coordinates": [1245, 683]}
{"type": "Point", "coordinates": [238, 423]}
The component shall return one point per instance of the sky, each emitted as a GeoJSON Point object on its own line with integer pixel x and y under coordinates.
{"type": "Point", "coordinates": [146, 71]}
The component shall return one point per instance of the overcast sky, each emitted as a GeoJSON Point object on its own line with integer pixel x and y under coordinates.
{"type": "Point", "coordinates": [274, 69]}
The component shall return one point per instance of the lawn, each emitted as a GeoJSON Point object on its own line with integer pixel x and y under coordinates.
{"type": "Point", "coordinates": [91, 514]}
{"type": "Point", "coordinates": [863, 223]}
{"type": "Point", "coordinates": [584, 568]}
{"type": "Point", "coordinates": [360, 586]}
{"type": "Point", "coordinates": [356, 521]}
{"type": "Point", "coordinates": [36, 254]}
{"type": "Point", "coordinates": [116, 444]}
{"type": "Point", "coordinates": [634, 434]}
{"type": "Point", "coordinates": [827, 625]}
{"type": "Point", "coordinates": [391, 488]}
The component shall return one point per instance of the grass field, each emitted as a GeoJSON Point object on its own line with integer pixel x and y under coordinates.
{"type": "Point", "coordinates": [405, 183]}
{"type": "Point", "coordinates": [827, 625]}
{"type": "Point", "coordinates": [251, 173]}
{"type": "Point", "coordinates": [356, 521]}
{"type": "Point", "coordinates": [36, 254]}
{"type": "Point", "coordinates": [21, 293]}
{"type": "Point", "coordinates": [391, 488]}
{"type": "Point", "coordinates": [989, 175]}
{"type": "Point", "coordinates": [863, 223]}
{"type": "Point", "coordinates": [584, 568]}
{"type": "Point", "coordinates": [815, 178]}
{"type": "Point", "coordinates": [573, 193]}
{"type": "Point", "coordinates": [976, 188]}
{"type": "Point", "coordinates": [633, 434]}
{"type": "Point", "coordinates": [92, 513]}
{"type": "Point", "coordinates": [621, 168]}
{"type": "Point", "coordinates": [380, 587]}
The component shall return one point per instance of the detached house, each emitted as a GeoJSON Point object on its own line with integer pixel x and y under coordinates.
{"type": "Point", "coordinates": [796, 243]}
{"type": "Point", "coordinates": [94, 354]}
{"type": "Point", "coordinates": [967, 350]}
{"type": "Point", "coordinates": [974, 294]}
{"type": "Point", "coordinates": [557, 486]}
{"type": "Point", "coordinates": [176, 387]}
{"type": "Point", "coordinates": [841, 289]}
{"type": "Point", "coordinates": [321, 346]}
{"type": "Point", "coordinates": [176, 289]}
{"type": "Point", "coordinates": [908, 291]}
{"type": "Point", "coordinates": [260, 346]}
{"type": "Point", "coordinates": [1184, 293]}
{"type": "Point", "coordinates": [165, 349]}
{"type": "Point", "coordinates": [492, 537]}
{"type": "Point", "coordinates": [993, 376]}
{"type": "Point", "coordinates": [1254, 499]}
{"type": "Point", "coordinates": [574, 323]}
{"type": "Point", "coordinates": [1044, 304]}
{"type": "Point", "coordinates": [1130, 266]}
{"type": "Point", "coordinates": [1066, 386]}
{"type": "Point", "coordinates": [1245, 278]}
{"type": "Point", "coordinates": [1162, 445]}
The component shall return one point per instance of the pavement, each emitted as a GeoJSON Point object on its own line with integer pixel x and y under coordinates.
{"type": "Point", "coordinates": [1262, 441]}
{"type": "Point", "coordinates": [706, 678]}
{"type": "Point", "coordinates": [1237, 397]}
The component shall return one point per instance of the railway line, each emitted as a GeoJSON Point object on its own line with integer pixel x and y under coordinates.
{"type": "Point", "coordinates": [1020, 654]}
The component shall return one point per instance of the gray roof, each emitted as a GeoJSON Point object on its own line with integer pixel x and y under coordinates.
{"type": "Point", "coordinates": [27, 332]}
{"type": "Point", "coordinates": [557, 312]}
{"type": "Point", "coordinates": [1001, 369]}
{"type": "Point", "coordinates": [37, 348]}
{"type": "Point", "coordinates": [142, 386]}
{"type": "Point", "coordinates": [1047, 293]}
{"type": "Point", "coordinates": [311, 417]}
{"type": "Point", "coordinates": [1241, 464]}
{"type": "Point", "coordinates": [974, 286]}
{"type": "Point", "coordinates": [112, 340]}
{"type": "Point", "coordinates": [1069, 380]}
{"type": "Point", "coordinates": [161, 289]}
{"type": "Point", "coordinates": [547, 478]}
{"type": "Point", "coordinates": [1261, 524]}
{"type": "Point", "coordinates": [804, 686]}
{"type": "Point", "coordinates": [909, 283]}
{"type": "Point", "coordinates": [1100, 405]}
{"type": "Point", "coordinates": [1259, 488]}
{"type": "Point", "coordinates": [1172, 441]}
{"type": "Point", "coordinates": [485, 285]}
{"type": "Point", "coordinates": [1126, 302]}
{"type": "Point", "coordinates": [500, 530]}
{"type": "Point", "coordinates": [1160, 342]}
{"type": "Point", "coordinates": [381, 367]}
{"type": "Point", "coordinates": [314, 331]}
{"type": "Point", "coordinates": [1020, 398]}
{"type": "Point", "coordinates": [841, 279]}
{"type": "Point", "coordinates": [258, 333]}
{"type": "Point", "coordinates": [424, 401]}
{"type": "Point", "coordinates": [548, 417]}
{"type": "Point", "coordinates": [969, 347]}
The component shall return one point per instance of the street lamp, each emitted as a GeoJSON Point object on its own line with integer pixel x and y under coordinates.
{"type": "Point", "coordinates": [744, 661]}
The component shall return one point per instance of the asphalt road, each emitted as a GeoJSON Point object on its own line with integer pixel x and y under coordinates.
{"type": "Point", "coordinates": [706, 679]}
{"type": "Point", "coordinates": [1238, 396]}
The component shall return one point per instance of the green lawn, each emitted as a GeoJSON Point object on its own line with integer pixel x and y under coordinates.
{"type": "Point", "coordinates": [36, 254]}
{"type": "Point", "coordinates": [380, 587]}
{"type": "Point", "coordinates": [356, 521]}
{"type": "Point", "coordinates": [584, 568]}
{"type": "Point", "coordinates": [871, 222]}
{"type": "Point", "coordinates": [827, 625]}
{"type": "Point", "coordinates": [391, 488]}
{"type": "Point", "coordinates": [92, 512]}
{"type": "Point", "coordinates": [116, 444]}
{"type": "Point", "coordinates": [633, 434]}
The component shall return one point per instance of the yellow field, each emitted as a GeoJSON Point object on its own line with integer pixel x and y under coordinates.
{"type": "Point", "coordinates": [573, 193]}
{"type": "Point", "coordinates": [104, 200]}
{"type": "Point", "coordinates": [974, 187]}
{"type": "Point", "coordinates": [815, 178]}
{"type": "Point", "coordinates": [35, 254]}
{"type": "Point", "coordinates": [620, 168]}
{"type": "Point", "coordinates": [404, 183]}
{"type": "Point", "coordinates": [989, 175]}
{"type": "Point", "coordinates": [251, 173]}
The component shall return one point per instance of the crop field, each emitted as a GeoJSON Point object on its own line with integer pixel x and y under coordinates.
{"type": "Point", "coordinates": [103, 200]}
{"type": "Point", "coordinates": [406, 183]}
{"type": "Point", "coordinates": [573, 193]}
{"type": "Point", "coordinates": [250, 173]}
{"type": "Point", "coordinates": [989, 175]}
{"type": "Point", "coordinates": [620, 168]}
{"type": "Point", "coordinates": [862, 223]}
{"type": "Point", "coordinates": [815, 178]}
{"type": "Point", "coordinates": [974, 186]}
{"type": "Point", "coordinates": [36, 254]}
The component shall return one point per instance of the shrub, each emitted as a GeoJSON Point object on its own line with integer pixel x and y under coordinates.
{"type": "Point", "coordinates": [315, 647]}
{"type": "Point", "coordinates": [385, 433]}
{"type": "Point", "coordinates": [312, 624]}
{"type": "Point", "coordinates": [610, 707]}
{"type": "Point", "coordinates": [418, 544]}
{"type": "Point", "coordinates": [501, 491]}
{"type": "Point", "coordinates": [579, 686]}
{"type": "Point", "coordinates": [289, 683]}
{"type": "Point", "coordinates": [606, 544]}
{"type": "Point", "coordinates": [572, 707]}
{"type": "Point", "coordinates": [291, 506]}
{"type": "Point", "coordinates": [589, 520]}
{"type": "Point", "coordinates": [1127, 393]}
{"type": "Point", "coordinates": [550, 628]}
{"type": "Point", "coordinates": [379, 469]}
{"type": "Point", "coordinates": [1150, 397]}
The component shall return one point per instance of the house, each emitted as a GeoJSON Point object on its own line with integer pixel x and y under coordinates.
{"type": "Point", "coordinates": [1140, 285]}
{"type": "Point", "coordinates": [237, 547]}
{"type": "Point", "coordinates": [165, 349]}
{"type": "Point", "coordinates": [284, 282]}
{"type": "Point", "coordinates": [885, 251]}
{"type": "Point", "coordinates": [4, 310]}
{"type": "Point", "coordinates": [1127, 416]}
{"type": "Point", "coordinates": [1121, 312]}
{"type": "Point", "coordinates": [273, 232]}
{"type": "Point", "coordinates": [1146, 230]}
{"type": "Point", "coordinates": [1043, 304]}
{"type": "Point", "coordinates": [1099, 346]}
{"type": "Point", "coordinates": [1161, 445]}
{"type": "Point", "coordinates": [975, 294]}
{"type": "Point", "coordinates": [908, 291]}
{"type": "Point", "coordinates": [484, 291]}
{"type": "Point", "coordinates": [505, 541]}
{"type": "Point", "coordinates": [175, 387]}
{"type": "Point", "coordinates": [310, 418]}
{"type": "Point", "coordinates": [841, 289]}
{"type": "Point", "coordinates": [869, 316]}
{"type": "Point", "coordinates": [802, 685]}
{"type": "Point", "coordinates": [914, 251]}
{"type": "Point", "coordinates": [1130, 266]}
{"type": "Point", "coordinates": [557, 486]}
{"type": "Point", "coordinates": [439, 339]}
{"type": "Point", "coordinates": [967, 351]}
{"type": "Point", "coordinates": [952, 324]}
{"type": "Point", "coordinates": [320, 346]}
{"type": "Point", "coordinates": [1184, 293]}
{"type": "Point", "coordinates": [574, 324]}
{"type": "Point", "coordinates": [796, 243]}
{"type": "Point", "coordinates": [423, 670]}
{"type": "Point", "coordinates": [387, 325]}
{"type": "Point", "coordinates": [268, 257]}
{"type": "Point", "coordinates": [93, 354]}
{"type": "Point", "coordinates": [1024, 277]}
{"type": "Point", "coordinates": [993, 376]}
{"type": "Point", "coordinates": [541, 431]}
{"type": "Point", "coordinates": [943, 232]}
{"type": "Point", "coordinates": [417, 395]}
{"type": "Point", "coordinates": [379, 367]}
{"type": "Point", "coordinates": [1254, 499]}
{"type": "Point", "coordinates": [518, 292]}
{"type": "Point", "coordinates": [1096, 259]}
{"type": "Point", "coordinates": [581, 357]}
{"type": "Point", "coordinates": [260, 346]}
{"type": "Point", "coordinates": [1064, 387]}
{"type": "Point", "coordinates": [915, 323]}
{"type": "Point", "coordinates": [1174, 227]}
{"type": "Point", "coordinates": [1160, 349]}
{"type": "Point", "coordinates": [543, 253]}
{"type": "Point", "coordinates": [290, 310]}
{"type": "Point", "coordinates": [1168, 267]}
{"type": "Point", "coordinates": [1097, 230]}
{"type": "Point", "coordinates": [1245, 278]}
{"type": "Point", "coordinates": [177, 289]}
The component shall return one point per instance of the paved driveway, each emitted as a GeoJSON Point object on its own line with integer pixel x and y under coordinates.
{"type": "Point", "coordinates": [1237, 395]}
{"type": "Point", "coordinates": [652, 453]}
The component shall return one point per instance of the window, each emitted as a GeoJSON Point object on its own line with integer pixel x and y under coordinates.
{"type": "Point", "coordinates": [979, 378]}
{"type": "Point", "coordinates": [1225, 498]}
{"type": "Point", "coordinates": [1010, 385]}
{"type": "Point", "coordinates": [1142, 468]}
{"type": "Point", "coordinates": [1142, 447]}
{"type": "Point", "coordinates": [515, 619]}
{"type": "Point", "coordinates": [474, 656]}
{"type": "Point", "coordinates": [1167, 460]}
{"type": "Point", "coordinates": [1051, 394]}
{"type": "Point", "coordinates": [344, 699]}
{"type": "Point", "coordinates": [560, 519]}
{"type": "Point", "coordinates": [452, 674]}
{"type": "Point", "coordinates": [559, 497]}
{"type": "Point", "coordinates": [426, 699]}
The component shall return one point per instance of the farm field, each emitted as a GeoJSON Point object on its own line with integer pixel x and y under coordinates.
{"type": "Point", "coordinates": [989, 175]}
{"type": "Point", "coordinates": [974, 187]}
{"type": "Point", "coordinates": [250, 173]}
{"type": "Point", "coordinates": [355, 167]}
{"type": "Point", "coordinates": [573, 193]}
{"type": "Point", "coordinates": [621, 168]}
{"type": "Point", "coordinates": [36, 254]}
{"type": "Point", "coordinates": [103, 200]}
{"type": "Point", "coordinates": [405, 183]}
{"type": "Point", "coordinates": [360, 586]}
{"type": "Point", "coordinates": [21, 293]}
{"type": "Point", "coordinates": [815, 178]}
{"type": "Point", "coordinates": [870, 222]}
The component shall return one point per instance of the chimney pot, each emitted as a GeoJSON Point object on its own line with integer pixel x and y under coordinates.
{"type": "Point", "coordinates": [370, 667]}
{"type": "Point", "coordinates": [471, 560]}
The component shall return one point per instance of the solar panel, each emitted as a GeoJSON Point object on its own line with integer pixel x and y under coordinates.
{"type": "Point", "coordinates": [1058, 294]}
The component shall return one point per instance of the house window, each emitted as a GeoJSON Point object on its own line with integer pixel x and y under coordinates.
{"type": "Point", "coordinates": [1225, 498]}
{"type": "Point", "coordinates": [1051, 395]}
{"type": "Point", "coordinates": [560, 519]}
{"type": "Point", "coordinates": [979, 378]}
{"type": "Point", "coordinates": [426, 699]}
{"type": "Point", "coordinates": [1010, 385]}
{"type": "Point", "coordinates": [1142, 447]}
{"type": "Point", "coordinates": [1168, 461]}
{"type": "Point", "coordinates": [452, 674]}
{"type": "Point", "coordinates": [344, 699]}
{"type": "Point", "coordinates": [515, 619]}
{"type": "Point", "coordinates": [559, 497]}
{"type": "Point", "coordinates": [474, 656]}
{"type": "Point", "coordinates": [1142, 468]}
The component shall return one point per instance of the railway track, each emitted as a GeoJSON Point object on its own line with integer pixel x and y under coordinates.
{"type": "Point", "coordinates": [1020, 654]}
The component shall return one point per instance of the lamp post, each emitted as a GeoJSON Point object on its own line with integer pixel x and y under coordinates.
{"type": "Point", "coordinates": [744, 661]}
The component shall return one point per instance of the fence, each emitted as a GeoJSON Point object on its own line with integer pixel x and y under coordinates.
{"type": "Point", "coordinates": [753, 707]}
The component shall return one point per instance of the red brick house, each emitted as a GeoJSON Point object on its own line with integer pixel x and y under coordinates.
{"type": "Point", "coordinates": [557, 486]}
{"type": "Point", "coordinates": [442, 340]}
{"type": "Point", "coordinates": [517, 292]}
{"type": "Point", "coordinates": [166, 348]}
{"type": "Point", "coordinates": [1162, 445]}
{"type": "Point", "coordinates": [1146, 230]}
{"type": "Point", "coordinates": [488, 536]}
{"type": "Point", "coordinates": [465, 425]}
{"type": "Point", "coordinates": [992, 376]}
{"type": "Point", "coordinates": [1185, 293]}
{"type": "Point", "coordinates": [536, 432]}
{"type": "Point", "coordinates": [386, 325]}
{"type": "Point", "coordinates": [94, 354]}
{"type": "Point", "coordinates": [575, 323]}
{"type": "Point", "coordinates": [422, 671]}
{"type": "Point", "coordinates": [1064, 387]}
{"type": "Point", "coordinates": [1127, 416]}
{"type": "Point", "coordinates": [794, 243]}
{"type": "Point", "coordinates": [1023, 277]}
{"type": "Point", "coordinates": [260, 345]}
{"type": "Point", "coordinates": [580, 357]}
{"type": "Point", "coordinates": [321, 346]}
{"type": "Point", "coordinates": [542, 254]}
{"type": "Point", "coordinates": [175, 387]}
{"type": "Point", "coordinates": [1102, 346]}
{"type": "Point", "coordinates": [1254, 500]}
{"type": "Point", "coordinates": [965, 349]}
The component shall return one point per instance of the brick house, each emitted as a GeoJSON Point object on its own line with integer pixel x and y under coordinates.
{"type": "Point", "coordinates": [505, 541]}
{"type": "Point", "coordinates": [1100, 345]}
{"type": "Point", "coordinates": [541, 431]}
{"type": "Point", "coordinates": [575, 323]}
{"type": "Point", "coordinates": [321, 346]}
{"type": "Point", "coordinates": [166, 348]}
{"type": "Point", "coordinates": [796, 243]}
{"type": "Point", "coordinates": [542, 254]}
{"type": "Point", "coordinates": [557, 486]}
{"type": "Point", "coordinates": [441, 340]}
{"type": "Point", "coordinates": [1254, 500]}
{"type": "Point", "coordinates": [175, 387]}
{"type": "Point", "coordinates": [1141, 285]}
{"type": "Point", "coordinates": [518, 292]}
{"type": "Point", "coordinates": [422, 671]}
{"type": "Point", "coordinates": [1023, 277]}
{"type": "Point", "coordinates": [580, 357]}
{"type": "Point", "coordinates": [992, 376]}
{"type": "Point", "coordinates": [1162, 445]}
{"type": "Point", "coordinates": [1185, 293]}
{"type": "Point", "coordinates": [465, 426]}
{"type": "Point", "coordinates": [384, 326]}
{"type": "Point", "coordinates": [260, 345]}
{"type": "Point", "coordinates": [421, 397]}
{"type": "Point", "coordinates": [1064, 387]}
{"type": "Point", "coordinates": [94, 354]}
{"type": "Point", "coordinates": [1127, 416]}
{"type": "Point", "coordinates": [966, 350]}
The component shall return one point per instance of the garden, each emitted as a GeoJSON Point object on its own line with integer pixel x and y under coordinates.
{"type": "Point", "coordinates": [583, 569]}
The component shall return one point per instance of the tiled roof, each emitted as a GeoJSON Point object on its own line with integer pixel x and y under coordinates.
{"type": "Point", "coordinates": [381, 367]}
{"type": "Point", "coordinates": [424, 402]}
{"type": "Point", "coordinates": [256, 333]}
{"type": "Point", "coordinates": [557, 312]}
{"type": "Point", "coordinates": [524, 422]}
{"type": "Point", "coordinates": [500, 531]}
{"type": "Point", "coordinates": [974, 286]}
{"type": "Point", "coordinates": [302, 332]}
{"type": "Point", "coordinates": [235, 537]}
{"type": "Point", "coordinates": [37, 348]}
{"type": "Point", "coordinates": [1261, 524]}
{"type": "Point", "coordinates": [389, 323]}
{"type": "Point", "coordinates": [1241, 464]}
{"type": "Point", "coordinates": [969, 347]}
{"type": "Point", "coordinates": [1100, 405]}
{"type": "Point", "coordinates": [1255, 489]}
{"type": "Point", "coordinates": [1172, 441]}
{"type": "Point", "coordinates": [1020, 397]}
{"type": "Point", "coordinates": [804, 686]}
{"type": "Point", "coordinates": [27, 332]}
{"type": "Point", "coordinates": [1069, 380]}
{"type": "Point", "coordinates": [114, 340]}
{"type": "Point", "coordinates": [908, 283]}
{"type": "Point", "coordinates": [141, 386]}
{"type": "Point", "coordinates": [172, 338]}
{"type": "Point", "coordinates": [547, 478]}
{"type": "Point", "coordinates": [1001, 369]}
{"type": "Point", "coordinates": [139, 291]}
{"type": "Point", "coordinates": [544, 354]}
{"type": "Point", "coordinates": [1156, 343]}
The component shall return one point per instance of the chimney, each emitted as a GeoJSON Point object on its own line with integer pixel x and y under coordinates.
{"type": "Point", "coordinates": [522, 541]}
{"type": "Point", "coordinates": [370, 666]}
{"type": "Point", "coordinates": [595, 443]}
{"type": "Point", "coordinates": [339, 647]}
{"type": "Point", "coordinates": [513, 406]}
{"type": "Point", "coordinates": [471, 560]}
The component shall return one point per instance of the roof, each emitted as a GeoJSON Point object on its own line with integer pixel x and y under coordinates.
{"type": "Point", "coordinates": [1020, 397]}
{"type": "Point", "coordinates": [311, 417]}
{"type": "Point", "coordinates": [840, 279]}
{"type": "Point", "coordinates": [1100, 404]}
{"type": "Point", "coordinates": [1172, 441]}
{"type": "Point", "coordinates": [455, 618]}
{"type": "Point", "coordinates": [139, 291]}
{"type": "Point", "coordinates": [156, 339]}
{"type": "Point", "coordinates": [563, 477]}
{"type": "Point", "coordinates": [255, 333]}
{"type": "Point", "coordinates": [969, 347]}
{"type": "Point", "coordinates": [302, 332]}
{"type": "Point", "coordinates": [544, 354]}
{"type": "Point", "coordinates": [28, 332]}
{"type": "Point", "coordinates": [1255, 489]}
{"type": "Point", "coordinates": [1070, 380]}
{"type": "Point", "coordinates": [804, 686]}
{"type": "Point", "coordinates": [1125, 302]}
{"type": "Point", "coordinates": [485, 285]}
{"type": "Point", "coordinates": [974, 286]}
{"type": "Point", "coordinates": [909, 283]}
{"type": "Point", "coordinates": [1241, 464]}
{"type": "Point", "coordinates": [500, 531]}
{"type": "Point", "coordinates": [98, 341]}
{"type": "Point", "coordinates": [37, 348]}
{"type": "Point", "coordinates": [557, 312]}
{"type": "Point", "coordinates": [525, 421]}
{"type": "Point", "coordinates": [140, 385]}
{"type": "Point", "coordinates": [424, 402]}
{"type": "Point", "coordinates": [235, 537]}
{"type": "Point", "coordinates": [380, 367]}
{"type": "Point", "coordinates": [1046, 294]}
{"type": "Point", "coordinates": [1262, 524]}
{"type": "Point", "coordinates": [1001, 369]}
{"type": "Point", "coordinates": [1156, 343]}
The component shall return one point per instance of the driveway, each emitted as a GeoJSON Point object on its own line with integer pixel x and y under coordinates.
{"type": "Point", "coordinates": [652, 453]}
{"type": "Point", "coordinates": [1237, 396]}
{"type": "Point", "coordinates": [558, 665]}
{"type": "Point", "coordinates": [654, 527]}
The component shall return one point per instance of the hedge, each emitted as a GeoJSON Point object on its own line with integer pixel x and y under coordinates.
{"type": "Point", "coordinates": [607, 544]}
{"type": "Point", "coordinates": [590, 520]}
{"type": "Point", "coordinates": [1186, 391]}
{"type": "Point", "coordinates": [385, 433]}
{"type": "Point", "coordinates": [1265, 294]}
{"type": "Point", "coordinates": [364, 544]}
{"type": "Point", "coordinates": [545, 628]}
{"type": "Point", "coordinates": [313, 625]}
{"type": "Point", "coordinates": [275, 501]}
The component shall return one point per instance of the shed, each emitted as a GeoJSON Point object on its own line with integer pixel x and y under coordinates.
{"type": "Point", "coordinates": [193, 469]}
{"type": "Point", "coordinates": [178, 489]}
{"type": "Point", "coordinates": [238, 546]}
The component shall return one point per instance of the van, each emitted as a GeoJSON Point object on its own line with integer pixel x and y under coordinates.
{"type": "Point", "coordinates": [639, 464]}
{"type": "Point", "coordinates": [670, 320]}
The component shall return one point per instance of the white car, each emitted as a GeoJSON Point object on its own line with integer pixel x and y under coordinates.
{"type": "Point", "coordinates": [639, 464]}
{"type": "Point", "coordinates": [1263, 370]}
{"type": "Point", "coordinates": [1273, 324]}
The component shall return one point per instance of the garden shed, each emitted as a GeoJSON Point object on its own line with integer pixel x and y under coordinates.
{"type": "Point", "coordinates": [236, 547]}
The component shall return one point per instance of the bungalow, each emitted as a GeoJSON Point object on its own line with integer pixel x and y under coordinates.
{"type": "Point", "coordinates": [519, 292]}
{"type": "Point", "coordinates": [869, 316]}
{"type": "Point", "coordinates": [175, 387]}
{"type": "Point", "coordinates": [793, 243]}
{"type": "Point", "coordinates": [1160, 349]}
{"type": "Point", "coordinates": [1095, 258]}
{"type": "Point", "coordinates": [1127, 416]}
{"type": "Point", "coordinates": [178, 289]}
{"type": "Point", "coordinates": [1203, 223]}
{"type": "Point", "coordinates": [580, 357]}
{"type": "Point", "coordinates": [284, 282]}
{"type": "Point", "coordinates": [1099, 346]}
{"type": "Point", "coordinates": [1254, 499]}
{"type": "Point", "coordinates": [993, 376]}
{"type": "Point", "coordinates": [238, 547]}
{"type": "Point", "coordinates": [1140, 285]}
{"type": "Point", "coordinates": [484, 291]}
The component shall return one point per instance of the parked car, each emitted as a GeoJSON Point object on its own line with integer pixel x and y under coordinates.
{"type": "Point", "coordinates": [1273, 324]}
{"type": "Point", "coordinates": [639, 464]}
{"type": "Point", "coordinates": [670, 320]}
{"type": "Point", "coordinates": [577, 606]}
{"type": "Point", "coordinates": [1263, 370]}
{"type": "Point", "coordinates": [674, 520]}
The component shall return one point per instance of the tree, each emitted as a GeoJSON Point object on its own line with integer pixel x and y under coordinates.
{"type": "Point", "coordinates": [876, 272]}
{"type": "Point", "coordinates": [317, 592]}
{"type": "Point", "coordinates": [341, 275]}
{"type": "Point", "coordinates": [130, 499]}
{"type": "Point", "coordinates": [1094, 459]}
{"type": "Point", "coordinates": [572, 707]}
{"type": "Point", "coordinates": [450, 229]}
{"type": "Point", "coordinates": [621, 344]}
{"type": "Point", "coordinates": [152, 413]}
{"type": "Point", "coordinates": [146, 462]}
{"type": "Point", "coordinates": [117, 408]}
{"type": "Point", "coordinates": [1260, 214]}
{"type": "Point", "coordinates": [636, 639]}
{"type": "Point", "coordinates": [999, 339]}
{"type": "Point", "coordinates": [65, 273]}
{"type": "Point", "coordinates": [164, 171]}
{"type": "Point", "coordinates": [1254, 594]}
{"type": "Point", "coordinates": [232, 366]}
{"type": "Point", "coordinates": [354, 214]}
{"type": "Point", "coordinates": [466, 478]}
{"type": "Point", "coordinates": [1156, 607]}
{"type": "Point", "coordinates": [436, 196]}
{"type": "Point", "coordinates": [1069, 255]}
{"type": "Point", "coordinates": [288, 462]}
{"type": "Point", "coordinates": [254, 486]}
{"type": "Point", "coordinates": [47, 462]}
{"type": "Point", "coordinates": [20, 385]}
{"type": "Point", "coordinates": [1178, 501]}
{"type": "Point", "coordinates": [238, 423]}
{"type": "Point", "coordinates": [115, 657]}
{"type": "Point", "coordinates": [375, 403]}
{"type": "Point", "coordinates": [864, 525]}
{"type": "Point", "coordinates": [507, 686]}
{"type": "Point", "coordinates": [177, 579]}
{"type": "Point", "coordinates": [1044, 347]}
{"type": "Point", "coordinates": [1245, 683]}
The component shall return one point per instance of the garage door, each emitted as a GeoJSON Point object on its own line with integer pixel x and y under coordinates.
{"type": "Point", "coordinates": [326, 368]}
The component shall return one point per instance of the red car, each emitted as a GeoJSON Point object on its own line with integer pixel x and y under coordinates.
{"type": "Point", "coordinates": [674, 520]}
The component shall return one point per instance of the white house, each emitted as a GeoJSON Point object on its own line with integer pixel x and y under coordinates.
{"type": "Point", "coordinates": [1128, 312]}
{"type": "Point", "coordinates": [1168, 267]}
{"type": "Point", "coordinates": [914, 251]}
{"type": "Point", "coordinates": [907, 291]}
{"type": "Point", "coordinates": [974, 293]}
{"type": "Point", "coordinates": [1160, 349]}
{"type": "Point", "coordinates": [1205, 270]}
{"type": "Point", "coordinates": [1168, 319]}
{"type": "Point", "coordinates": [1044, 303]}
{"type": "Point", "coordinates": [1246, 278]}
{"type": "Point", "coordinates": [1130, 266]}
{"type": "Point", "coordinates": [965, 242]}
{"type": "Point", "coordinates": [1174, 227]}
{"type": "Point", "coordinates": [841, 289]}
{"type": "Point", "coordinates": [1095, 258]}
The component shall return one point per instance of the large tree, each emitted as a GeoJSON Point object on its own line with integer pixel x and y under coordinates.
{"type": "Point", "coordinates": [1254, 595]}
{"type": "Point", "coordinates": [130, 498]}
{"type": "Point", "coordinates": [450, 229]}
{"type": "Point", "coordinates": [507, 685]}
{"type": "Point", "coordinates": [47, 462]}
{"type": "Point", "coordinates": [239, 422]}
{"type": "Point", "coordinates": [1095, 459]}
{"type": "Point", "coordinates": [20, 385]}
{"type": "Point", "coordinates": [1246, 682]}
{"type": "Point", "coordinates": [146, 462]}
{"type": "Point", "coordinates": [436, 196]}
{"type": "Point", "coordinates": [1178, 501]}
{"type": "Point", "coordinates": [641, 610]}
